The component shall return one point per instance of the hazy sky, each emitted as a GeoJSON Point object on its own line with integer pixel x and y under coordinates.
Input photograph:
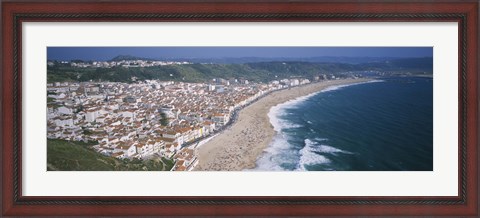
{"type": "Point", "coordinates": [107, 53]}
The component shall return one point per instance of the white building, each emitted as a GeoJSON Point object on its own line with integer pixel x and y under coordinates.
{"type": "Point", "coordinates": [63, 121]}
{"type": "Point", "coordinates": [65, 110]}
{"type": "Point", "coordinates": [128, 113]}
{"type": "Point", "coordinates": [220, 118]}
{"type": "Point", "coordinates": [91, 115]}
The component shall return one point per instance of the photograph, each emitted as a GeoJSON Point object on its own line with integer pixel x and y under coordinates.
{"type": "Point", "coordinates": [227, 108]}
{"type": "Point", "coordinates": [239, 108]}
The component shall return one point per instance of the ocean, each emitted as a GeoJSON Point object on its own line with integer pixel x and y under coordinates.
{"type": "Point", "coordinates": [381, 125]}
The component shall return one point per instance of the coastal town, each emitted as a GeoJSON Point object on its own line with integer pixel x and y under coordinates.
{"type": "Point", "coordinates": [220, 108]}
{"type": "Point", "coordinates": [119, 63]}
{"type": "Point", "coordinates": [152, 118]}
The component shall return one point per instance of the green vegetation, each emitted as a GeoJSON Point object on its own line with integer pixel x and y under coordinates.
{"type": "Point", "coordinates": [79, 156]}
{"type": "Point", "coordinates": [168, 163]}
{"type": "Point", "coordinates": [258, 72]}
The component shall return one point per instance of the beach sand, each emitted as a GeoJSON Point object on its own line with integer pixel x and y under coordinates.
{"type": "Point", "coordinates": [238, 147]}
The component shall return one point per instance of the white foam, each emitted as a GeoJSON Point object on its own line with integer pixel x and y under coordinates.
{"type": "Point", "coordinates": [337, 87]}
{"type": "Point", "coordinates": [331, 150]}
{"type": "Point", "coordinates": [279, 143]}
{"type": "Point", "coordinates": [309, 157]}
{"type": "Point", "coordinates": [265, 164]}
{"type": "Point", "coordinates": [322, 148]}
{"type": "Point", "coordinates": [309, 154]}
{"type": "Point", "coordinates": [277, 153]}
{"type": "Point", "coordinates": [273, 115]}
{"type": "Point", "coordinates": [278, 123]}
{"type": "Point", "coordinates": [287, 125]}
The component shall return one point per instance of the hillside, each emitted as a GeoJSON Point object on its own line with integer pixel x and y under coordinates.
{"type": "Point", "coordinates": [258, 71]}
{"type": "Point", "coordinates": [77, 156]}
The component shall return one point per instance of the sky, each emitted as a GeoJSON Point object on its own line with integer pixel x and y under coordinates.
{"type": "Point", "coordinates": [107, 53]}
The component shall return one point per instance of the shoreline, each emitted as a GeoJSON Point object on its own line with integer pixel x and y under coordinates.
{"type": "Point", "coordinates": [239, 146]}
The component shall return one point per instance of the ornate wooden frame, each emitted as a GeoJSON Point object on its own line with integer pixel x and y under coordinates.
{"type": "Point", "coordinates": [16, 12]}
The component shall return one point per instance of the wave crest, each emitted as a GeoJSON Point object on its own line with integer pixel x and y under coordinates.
{"type": "Point", "coordinates": [309, 155]}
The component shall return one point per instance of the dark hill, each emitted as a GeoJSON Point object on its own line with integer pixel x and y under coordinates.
{"type": "Point", "coordinates": [258, 71]}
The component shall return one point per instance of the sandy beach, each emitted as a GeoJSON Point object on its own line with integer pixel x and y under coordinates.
{"type": "Point", "coordinates": [238, 147]}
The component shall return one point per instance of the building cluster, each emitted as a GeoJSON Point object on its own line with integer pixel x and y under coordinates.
{"type": "Point", "coordinates": [149, 118]}
{"type": "Point", "coordinates": [122, 63]}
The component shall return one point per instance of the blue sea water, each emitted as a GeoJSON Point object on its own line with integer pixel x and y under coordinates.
{"type": "Point", "coordinates": [382, 125]}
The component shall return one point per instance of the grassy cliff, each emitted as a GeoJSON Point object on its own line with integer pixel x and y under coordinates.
{"type": "Point", "coordinates": [78, 156]}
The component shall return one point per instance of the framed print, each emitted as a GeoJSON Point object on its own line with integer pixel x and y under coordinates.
{"type": "Point", "coordinates": [224, 108]}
